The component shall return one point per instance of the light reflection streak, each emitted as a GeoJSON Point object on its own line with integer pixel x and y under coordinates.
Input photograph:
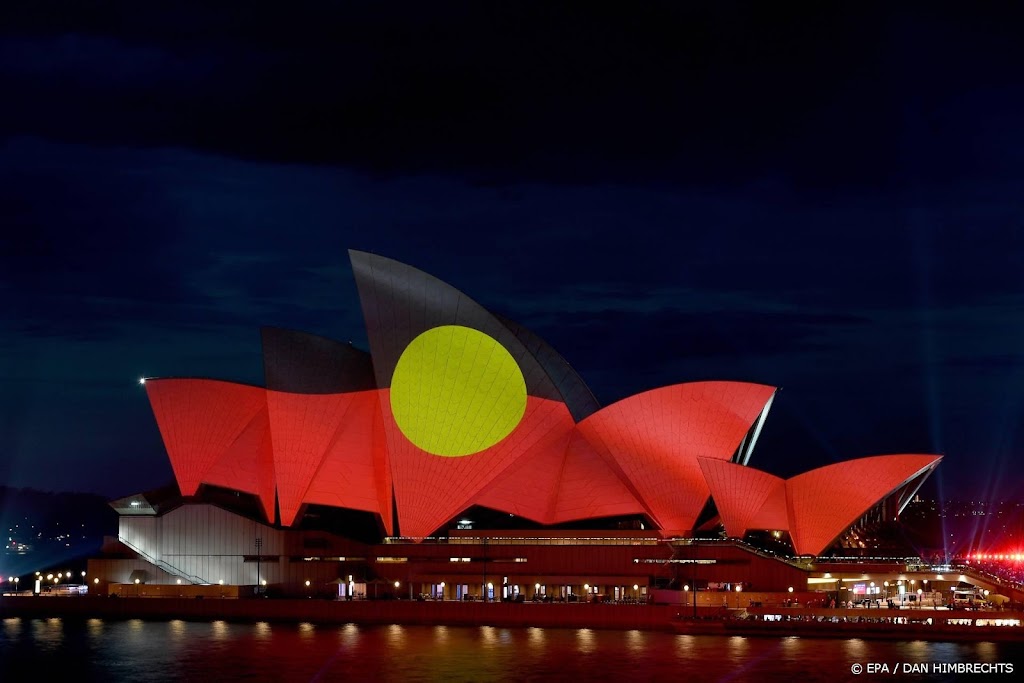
{"type": "Point", "coordinates": [536, 637]}
{"type": "Point", "coordinates": [685, 646]}
{"type": "Point", "coordinates": [487, 636]}
{"type": "Point", "coordinates": [263, 631]}
{"type": "Point", "coordinates": [349, 635]}
{"type": "Point", "coordinates": [12, 627]}
{"type": "Point", "coordinates": [585, 641]}
{"type": "Point", "coordinates": [635, 641]}
{"type": "Point", "coordinates": [306, 630]}
{"type": "Point", "coordinates": [219, 629]}
{"type": "Point", "coordinates": [396, 636]}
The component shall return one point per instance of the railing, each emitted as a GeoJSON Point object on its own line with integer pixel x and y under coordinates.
{"type": "Point", "coordinates": [988, 576]}
{"type": "Point", "coordinates": [170, 569]}
{"type": "Point", "coordinates": [793, 562]}
{"type": "Point", "coordinates": [524, 540]}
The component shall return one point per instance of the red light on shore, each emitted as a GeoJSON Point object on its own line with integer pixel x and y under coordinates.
{"type": "Point", "coordinates": [1015, 556]}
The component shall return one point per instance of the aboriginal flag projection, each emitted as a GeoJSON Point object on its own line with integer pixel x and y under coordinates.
{"type": "Point", "coordinates": [455, 406]}
{"type": "Point", "coordinates": [463, 397]}
{"type": "Point", "coordinates": [808, 505]}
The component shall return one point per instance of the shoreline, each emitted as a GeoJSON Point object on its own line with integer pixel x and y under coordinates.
{"type": "Point", "coordinates": [667, 618]}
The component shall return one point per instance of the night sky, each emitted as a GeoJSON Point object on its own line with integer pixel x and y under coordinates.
{"type": "Point", "coordinates": [822, 200]}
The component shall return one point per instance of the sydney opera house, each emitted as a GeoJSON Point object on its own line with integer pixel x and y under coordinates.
{"type": "Point", "coordinates": [462, 457]}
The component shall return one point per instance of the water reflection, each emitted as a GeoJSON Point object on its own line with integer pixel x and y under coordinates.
{"type": "Point", "coordinates": [738, 646]}
{"type": "Point", "coordinates": [791, 647]}
{"type": "Point", "coordinates": [48, 632]}
{"type": "Point", "coordinates": [487, 636]}
{"type": "Point", "coordinates": [536, 637]}
{"type": "Point", "coordinates": [176, 651]}
{"type": "Point", "coordinates": [585, 641]}
{"type": "Point", "coordinates": [917, 650]}
{"type": "Point", "coordinates": [855, 649]}
{"type": "Point", "coordinates": [12, 627]}
{"type": "Point", "coordinates": [177, 633]}
{"type": "Point", "coordinates": [349, 635]}
{"type": "Point", "coordinates": [635, 641]}
{"type": "Point", "coordinates": [396, 636]}
{"type": "Point", "coordinates": [220, 630]}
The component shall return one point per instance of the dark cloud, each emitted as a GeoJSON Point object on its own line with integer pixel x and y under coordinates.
{"type": "Point", "coordinates": [693, 92]}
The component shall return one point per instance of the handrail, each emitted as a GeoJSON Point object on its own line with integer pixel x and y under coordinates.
{"type": "Point", "coordinates": [967, 569]}
{"type": "Point", "coordinates": [169, 568]}
{"type": "Point", "coordinates": [742, 546]}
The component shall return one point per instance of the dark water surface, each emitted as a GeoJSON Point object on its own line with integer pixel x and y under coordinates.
{"type": "Point", "coordinates": [72, 651]}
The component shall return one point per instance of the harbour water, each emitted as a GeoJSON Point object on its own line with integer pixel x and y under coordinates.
{"type": "Point", "coordinates": [75, 650]}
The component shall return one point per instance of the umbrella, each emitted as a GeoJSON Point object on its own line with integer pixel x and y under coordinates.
{"type": "Point", "coordinates": [375, 583]}
{"type": "Point", "coordinates": [998, 599]}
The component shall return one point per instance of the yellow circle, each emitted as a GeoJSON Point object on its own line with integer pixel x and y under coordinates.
{"type": "Point", "coordinates": [457, 391]}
